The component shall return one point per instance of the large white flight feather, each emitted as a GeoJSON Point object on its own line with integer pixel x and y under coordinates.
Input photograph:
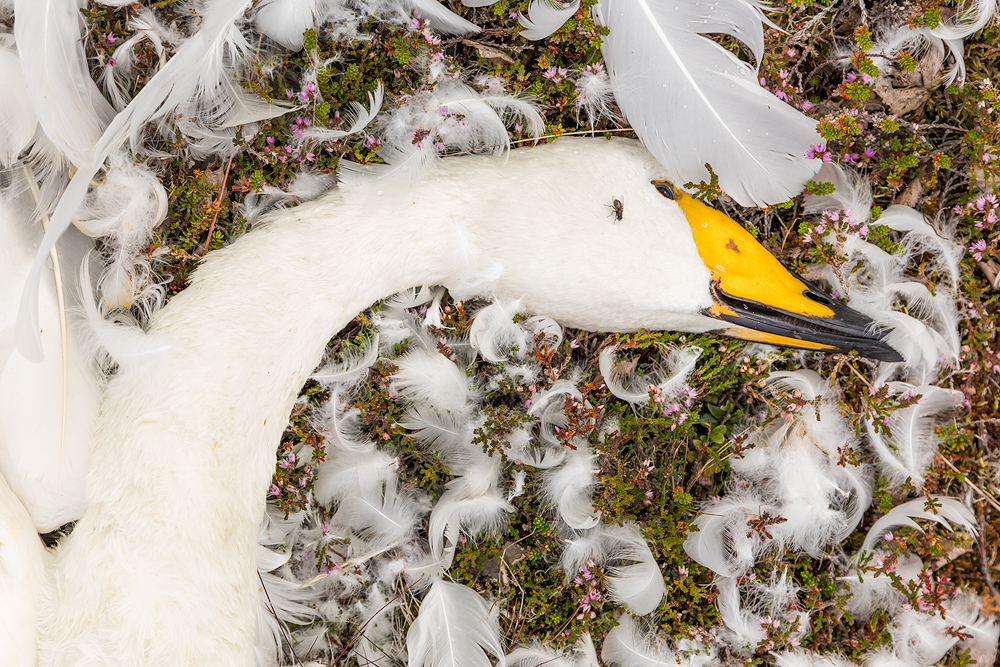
{"type": "Point", "coordinates": [69, 106]}
{"type": "Point", "coordinates": [17, 116]}
{"type": "Point", "coordinates": [46, 410]}
{"type": "Point", "coordinates": [692, 102]}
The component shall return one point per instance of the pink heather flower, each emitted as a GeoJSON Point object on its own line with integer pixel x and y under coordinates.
{"type": "Point", "coordinates": [414, 24]}
{"type": "Point", "coordinates": [111, 62]}
{"type": "Point", "coordinates": [818, 152]}
{"type": "Point", "coordinates": [443, 110]}
{"type": "Point", "coordinates": [851, 77]}
{"type": "Point", "coordinates": [556, 74]}
{"type": "Point", "coordinates": [850, 157]}
{"type": "Point", "coordinates": [270, 141]}
{"type": "Point", "coordinates": [869, 152]}
{"type": "Point", "coordinates": [977, 249]}
{"type": "Point", "coordinates": [573, 344]}
{"type": "Point", "coordinates": [371, 141]}
{"type": "Point", "coordinates": [807, 105]}
{"type": "Point", "coordinates": [273, 490]}
{"type": "Point", "coordinates": [866, 78]}
{"type": "Point", "coordinates": [888, 537]}
{"type": "Point", "coordinates": [683, 571]}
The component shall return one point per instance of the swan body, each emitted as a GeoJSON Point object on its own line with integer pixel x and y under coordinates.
{"type": "Point", "coordinates": [160, 569]}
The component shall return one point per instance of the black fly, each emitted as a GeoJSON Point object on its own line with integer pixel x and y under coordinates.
{"type": "Point", "coordinates": [617, 209]}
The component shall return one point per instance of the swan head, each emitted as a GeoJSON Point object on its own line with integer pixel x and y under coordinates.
{"type": "Point", "coordinates": [592, 233]}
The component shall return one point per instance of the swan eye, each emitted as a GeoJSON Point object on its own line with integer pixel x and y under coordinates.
{"type": "Point", "coordinates": [665, 188]}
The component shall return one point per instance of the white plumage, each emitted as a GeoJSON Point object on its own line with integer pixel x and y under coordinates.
{"type": "Point", "coordinates": [139, 580]}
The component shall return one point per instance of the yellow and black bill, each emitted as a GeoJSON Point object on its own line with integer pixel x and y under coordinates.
{"type": "Point", "coordinates": [762, 300]}
{"type": "Point", "coordinates": [843, 330]}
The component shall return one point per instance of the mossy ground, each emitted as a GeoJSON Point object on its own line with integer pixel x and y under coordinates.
{"type": "Point", "coordinates": [937, 156]}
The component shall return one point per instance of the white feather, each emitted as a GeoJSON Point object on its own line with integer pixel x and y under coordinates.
{"type": "Point", "coordinates": [743, 623]}
{"type": "Point", "coordinates": [464, 509]}
{"type": "Point", "coordinates": [668, 376]}
{"type": "Point", "coordinates": [454, 628]}
{"type": "Point", "coordinates": [982, 628]}
{"type": "Point", "coordinates": [354, 473]}
{"type": "Point", "coordinates": [125, 208]}
{"type": "Point", "coordinates": [357, 118]}
{"type": "Point", "coordinates": [429, 378]}
{"type": "Point", "coordinates": [388, 516]}
{"type": "Point", "coordinates": [70, 108]}
{"type": "Point", "coordinates": [723, 542]}
{"type": "Point", "coordinates": [443, 19]}
{"type": "Point", "coordinates": [17, 116]}
{"type": "Point", "coordinates": [570, 488]}
{"type": "Point", "coordinates": [950, 511]}
{"type": "Point", "coordinates": [46, 410]}
{"type": "Point", "coordinates": [495, 335]}
{"type": "Point", "coordinates": [545, 17]}
{"type": "Point", "coordinates": [921, 236]}
{"type": "Point", "coordinates": [284, 21]}
{"type": "Point", "coordinates": [196, 79]}
{"type": "Point", "coordinates": [635, 579]}
{"type": "Point", "coordinates": [339, 424]}
{"type": "Point", "coordinates": [350, 368]}
{"type": "Point", "coordinates": [692, 102]}
{"type": "Point", "coordinates": [581, 654]}
{"type": "Point", "coordinates": [909, 447]}
{"type": "Point", "coordinates": [595, 96]}
{"type": "Point", "coordinates": [281, 602]}
{"type": "Point", "coordinates": [627, 646]}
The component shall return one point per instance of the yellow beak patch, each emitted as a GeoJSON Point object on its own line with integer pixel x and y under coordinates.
{"type": "Point", "coordinates": [742, 266]}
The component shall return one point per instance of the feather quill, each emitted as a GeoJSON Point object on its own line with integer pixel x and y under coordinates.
{"type": "Point", "coordinates": [454, 628]}
{"type": "Point", "coordinates": [692, 102]}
